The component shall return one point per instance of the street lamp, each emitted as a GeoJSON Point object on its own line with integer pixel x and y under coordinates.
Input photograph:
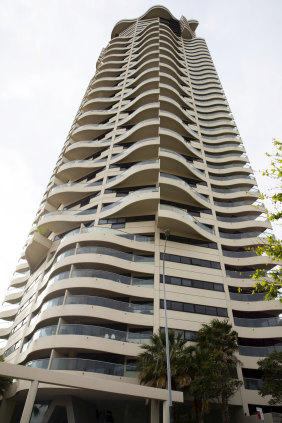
{"type": "Point", "coordinates": [167, 232]}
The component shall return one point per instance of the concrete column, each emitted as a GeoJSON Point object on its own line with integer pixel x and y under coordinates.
{"type": "Point", "coordinates": [155, 411]}
{"type": "Point", "coordinates": [165, 412]}
{"type": "Point", "coordinates": [29, 402]}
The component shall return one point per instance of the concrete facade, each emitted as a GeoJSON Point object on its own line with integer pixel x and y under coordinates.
{"type": "Point", "coordinates": [153, 146]}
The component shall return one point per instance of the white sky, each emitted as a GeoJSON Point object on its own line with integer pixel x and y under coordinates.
{"type": "Point", "coordinates": [49, 50]}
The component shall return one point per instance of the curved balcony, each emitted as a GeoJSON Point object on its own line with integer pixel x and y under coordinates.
{"type": "Point", "coordinates": [37, 249]}
{"type": "Point", "coordinates": [171, 106]}
{"type": "Point", "coordinates": [19, 281]}
{"type": "Point", "coordinates": [142, 150]}
{"type": "Point", "coordinates": [96, 117]}
{"type": "Point", "coordinates": [150, 71]}
{"type": "Point", "coordinates": [115, 232]}
{"type": "Point", "coordinates": [142, 173]}
{"type": "Point", "coordinates": [8, 311]}
{"type": "Point", "coordinates": [258, 323]}
{"type": "Point", "coordinates": [171, 160]}
{"type": "Point", "coordinates": [13, 297]}
{"type": "Point", "coordinates": [91, 131]}
{"type": "Point", "coordinates": [94, 366]}
{"type": "Point", "coordinates": [94, 250]}
{"type": "Point", "coordinates": [209, 84]}
{"type": "Point", "coordinates": [139, 203]}
{"type": "Point", "coordinates": [172, 122]}
{"type": "Point", "coordinates": [78, 150]}
{"type": "Point", "coordinates": [103, 275]}
{"type": "Point", "coordinates": [72, 191]}
{"type": "Point", "coordinates": [173, 188]}
{"type": "Point", "coordinates": [146, 308]}
{"type": "Point", "coordinates": [149, 64]}
{"type": "Point", "coordinates": [240, 296]}
{"type": "Point", "coordinates": [182, 223]}
{"type": "Point", "coordinates": [100, 103]}
{"type": "Point", "coordinates": [143, 113]}
{"type": "Point", "coordinates": [167, 53]}
{"type": "Point", "coordinates": [252, 351]}
{"type": "Point", "coordinates": [62, 220]}
{"type": "Point", "coordinates": [89, 330]}
{"type": "Point", "coordinates": [167, 66]}
{"type": "Point", "coordinates": [166, 78]}
{"type": "Point", "coordinates": [104, 92]}
{"type": "Point", "coordinates": [234, 179]}
{"type": "Point", "coordinates": [106, 81]}
{"type": "Point", "coordinates": [252, 383]}
{"type": "Point", "coordinates": [146, 129]}
{"type": "Point", "coordinates": [170, 92]}
{"type": "Point", "coordinates": [76, 169]}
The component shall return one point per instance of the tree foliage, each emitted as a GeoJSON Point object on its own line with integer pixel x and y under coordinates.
{"type": "Point", "coordinates": [217, 343]}
{"type": "Point", "coordinates": [271, 368]}
{"type": "Point", "coordinates": [4, 381]}
{"type": "Point", "coordinates": [207, 369]}
{"type": "Point", "coordinates": [271, 281]}
{"type": "Point", "coordinates": [152, 361]}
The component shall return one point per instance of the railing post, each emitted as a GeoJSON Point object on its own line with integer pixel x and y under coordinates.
{"type": "Point", "coordinates": [29, 402]}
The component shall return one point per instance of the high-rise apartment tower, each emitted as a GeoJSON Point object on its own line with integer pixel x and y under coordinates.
{"type": "Point", "coordinates": [153, 146]}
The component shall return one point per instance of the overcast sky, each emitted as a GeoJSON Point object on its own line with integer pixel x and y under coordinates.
{"type": "Point", "coordinates": [49, 50]}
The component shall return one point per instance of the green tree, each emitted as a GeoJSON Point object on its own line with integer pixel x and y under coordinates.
{"type": "Point", "coordinates": [4, 381]}
{"type": "Point", "coordinates": [217, 376]}
{"type": "Point", "coordinates": [207, 370]}
{"type": "Point", "coordinates": [271, 281]}
{"type": "Point", "coordinates": [271, 368]}
{"type": "Point", "coordinates": [152, 361]}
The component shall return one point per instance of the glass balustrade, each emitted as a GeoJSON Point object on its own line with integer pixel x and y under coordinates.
{"type": "Point", "coordinates": [42, 363]}
{"type": "Point", "coordinates": [239, 189]}
{"type": "Point", "coordinates": [145, 308]}
{"type": "Point", "coordinates": [252, 351]}
{"type": "Point", "coordinates": [89, 330]}
{"type": "Point", "coordinates": [95, 366]}
{"type": "Point", "coordinates": [96, 273]}
{"type": "Point", "coordinates": [258, 323]}
{"type": "Point", "coordinates": [224, 145]}
{"type": "Point", "coordinates": [76, 185]}
{"type": "Point", "coordinates": [68, 213]}
{"type": "Point", "coordinates": [133, 237]}
{"type": "Point", "coordinates": [234, 204]}
{"type": "Point", "coordinates": [239, 254]}
{"type": "Point", "coordinates": [242, 219]}
{"type": "Point", "coordinates": [241, 235]}
{"type": "Point", "coordinates": [231, 137]}
{"type": "Point", "coordinates": [227, 166]}
{"type": "Point", "coordinates": [240, 296]}
{"type": "Point", "coordinates": [238, 274]}
{"type": "Point", "coordinates": [106, 251]}
{"type": "Point", "coordinates": [41, 333]}
{"type": "Point", "coordinates": [254, 384]}
{"type": "Point", "coordinates": [230, 178]}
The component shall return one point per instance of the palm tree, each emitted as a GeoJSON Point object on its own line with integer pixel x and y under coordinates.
{"type": "Point", "coordinates": [219, 342]}
{"type": "Point", "coordinates": [152, 361]}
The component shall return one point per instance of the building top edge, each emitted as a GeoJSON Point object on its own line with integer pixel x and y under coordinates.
{"type": "Point", "coordinates": [157, 11]}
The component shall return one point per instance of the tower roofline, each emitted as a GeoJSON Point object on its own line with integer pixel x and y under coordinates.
{"type": "Point", "coordinates": [153, 12]}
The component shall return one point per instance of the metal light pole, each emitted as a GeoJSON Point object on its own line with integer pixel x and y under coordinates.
{"type": "Point", "coordinates": [167, 232]}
